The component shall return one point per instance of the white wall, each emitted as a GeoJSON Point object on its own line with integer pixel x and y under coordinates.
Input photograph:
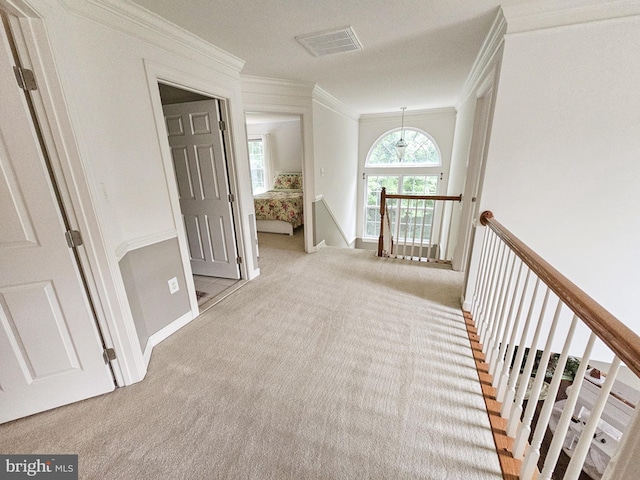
{"type": "Point", "coordinates": [285, 144]}
{"type": "Point", "coordinates": [440, 124]}
{"type": "Point", "coordinates": [563, 171]}
{"type": "Point", "coordinates": [335, 140]}
{"type": "Point", "coordinates": [106, 55]}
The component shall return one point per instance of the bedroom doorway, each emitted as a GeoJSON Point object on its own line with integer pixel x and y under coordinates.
{"type": "Point", "coordinates": [196, 129]}
{"type": "Point", "coordinates": [275, 148]}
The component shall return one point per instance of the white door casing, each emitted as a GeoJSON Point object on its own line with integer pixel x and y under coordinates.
{"type": "Point", "coordinates": [200, 165]}
{"type": "Point", "coordinates": [51, 352]}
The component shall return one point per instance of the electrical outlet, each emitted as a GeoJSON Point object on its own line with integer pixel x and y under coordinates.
{"type": "Point", "coordinates": [173, 285]}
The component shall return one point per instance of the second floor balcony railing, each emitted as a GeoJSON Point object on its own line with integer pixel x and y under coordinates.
{"type": "Point", "coordinates": [537, 331]}
{"type": "Point", "coordinates": [416, 227]}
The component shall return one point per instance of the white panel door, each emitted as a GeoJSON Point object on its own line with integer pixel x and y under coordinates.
{"type": "Point", "coordinates": [50, 349]}
{"type": "Point", "coordinates": [200, 165]}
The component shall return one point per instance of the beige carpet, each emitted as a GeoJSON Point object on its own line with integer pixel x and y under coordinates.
{"type": "Point", "coordinates": [335, 365]}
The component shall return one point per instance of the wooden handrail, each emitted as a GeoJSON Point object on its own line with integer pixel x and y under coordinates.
{"type": "Point", "coordinates": [457, 198]}
{"type": "Point", "coordinates": [623, 341]}
{"type": "Point", "coordinates": [383, 209]}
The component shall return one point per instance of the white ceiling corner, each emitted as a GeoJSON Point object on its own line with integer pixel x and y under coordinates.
{"type": "Point", "coordinates": [417, 53]}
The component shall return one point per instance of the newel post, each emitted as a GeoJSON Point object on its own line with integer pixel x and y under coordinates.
{"type": "Point", "coordinates": [485, 217]}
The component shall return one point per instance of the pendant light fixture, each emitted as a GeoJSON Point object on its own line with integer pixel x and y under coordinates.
{"type": "Point", "coordinates": [401, 145]}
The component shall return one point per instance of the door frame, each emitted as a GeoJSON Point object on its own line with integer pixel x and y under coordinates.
{"type": "Point", "coordinates": [104, 290]}
{"type": "Point", "coordinates": [222, 111]}
{"type": "Point", "coordinates": [157, 73]}
{"type": "Point", "coordinates": [483, 117]}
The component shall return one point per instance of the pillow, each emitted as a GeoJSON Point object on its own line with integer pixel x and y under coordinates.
{"type": "Point", "coordinates": [287, 181]}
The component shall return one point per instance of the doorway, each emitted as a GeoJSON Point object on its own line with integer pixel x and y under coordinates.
{"type": "Point", "coordinates": [475, 178]}
{"type": "Point", "coordinates": [275, 145]}
{"type": "Point", "coordinates": [195, 126]}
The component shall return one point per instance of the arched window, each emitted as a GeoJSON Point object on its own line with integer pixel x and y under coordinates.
{"type": "Point", "coordinates": [417, 171]}
{"type": "Point", "coordinates": [421, 150]}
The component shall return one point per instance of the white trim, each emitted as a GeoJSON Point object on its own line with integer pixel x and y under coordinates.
{"type": "Point", "coordinates": [485, 58]}
{"type": "Point", "coordinates": [104, 281]}
{"type": "Point", "coordinates": [320, 198]}
{"type": "Point", "coordinates": [408, 166]}
{"type": "Point", "coordinates": [466, 305]}
{"type": "Point", "coordinates": [327, 100]}
{"type": "Point", "coordinates": [277, 88]}
{"type": "Point", "coordinates": [145, 241]}
{"type": "Point", "coordinates": [134, 20]}
{"type": "Point", "coordinates": [386, 116]}
{"type": "Point", "coordinates": [543, 14]}
{"type": "Point", "coordinates": [163, 334]}
{"type": "Point", "coordinates": [271, 95]}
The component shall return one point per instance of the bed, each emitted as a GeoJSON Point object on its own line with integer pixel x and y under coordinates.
{"type": "Point", "coordinates": [280, 210]}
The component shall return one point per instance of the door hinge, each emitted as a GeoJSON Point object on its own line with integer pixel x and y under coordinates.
{"type": "Point", "coordinates": [25, 78]}
{"type": "Point", "coordinates": [231, 198]}
{"type": "Point", "coordinates": [222, 125]}
{"type": "Point", "coordinates": [74, 238]}
{"type": "Point", "coordinates": [238, 260]}
{"type": "Point", "coordinates": [109, 355]}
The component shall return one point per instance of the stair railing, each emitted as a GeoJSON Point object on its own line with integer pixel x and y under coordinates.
{"type": "Point", "coordinates": [522, 305]}
{"type": "Point", "coordinates": [419, 229]}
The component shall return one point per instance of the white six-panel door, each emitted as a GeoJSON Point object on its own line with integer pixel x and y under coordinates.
{"type": "Point", "coordinates": [50, 350]}
{"type": "Point", "coordinates": [200, 165]}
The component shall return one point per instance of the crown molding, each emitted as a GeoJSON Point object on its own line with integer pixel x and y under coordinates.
{"type": "Point", "coordinates": [323, 97]}
{"type": "Point", "coordinates": [387, 116]}
{"type": "Point", "coordinates": [490, 47]}
{"type": "Point", "coordinates": [543, 14]}
{"type": "Point", "coordinates": [20, 8]}
{"type": "Point", "coordinates": [138, 22]}
{"type": "Point", "coordinates": [277, 86]}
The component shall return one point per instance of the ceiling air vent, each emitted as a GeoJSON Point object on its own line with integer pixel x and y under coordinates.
{"type": "Point", "coordinates": [328, 43]}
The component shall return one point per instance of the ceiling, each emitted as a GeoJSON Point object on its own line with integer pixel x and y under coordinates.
{"type": "Point", "coordinates": [417, 53]}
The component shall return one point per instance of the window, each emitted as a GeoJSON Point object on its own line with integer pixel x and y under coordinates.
{"type": "Point", "coordinates": [416, 184]}
{"type": "Point", "coordinates": [417, 173]}
{"type": "Point", "coordinates": [258, 163]}
{"type": "Point", "coordinates": [421, 150]}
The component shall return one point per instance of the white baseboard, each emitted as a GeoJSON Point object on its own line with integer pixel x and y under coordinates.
{"type": "Point", "coordinates": [466, 305]}
{"type": "Point", "coordinates": [318, 247]}
{"type": "Point", "coordinates": [163, 334]}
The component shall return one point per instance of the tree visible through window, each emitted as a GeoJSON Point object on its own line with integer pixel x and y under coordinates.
{"type": "Point", "coordinates": [404, 184]}
{"type": "Point", "coordinates": [258, 165]}
{"type": "Point", "coordinates": [421, 150]}
{"type": "Point", "coordinates": [415, 173]}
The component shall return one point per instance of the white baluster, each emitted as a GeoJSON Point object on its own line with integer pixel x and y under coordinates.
{"type": "Point", "coordinates": [506, 359]}
{"type": "Point", "coordinates": [533, 453]}
{"type": "Point", "coordinates": [431, 232]}
{"type": "Point", "coordinates": [441, 228]}
{"type": "Point", "coordinates": [507, 405]}
{"type": "Point", "coordinates": [494, 344]}
{"type": "Point", "coordinates": [487, 286]}
{"type": "Point", "coordinates": [493, 301]}
{"type": "Point", "coordinates": [448, 239]}
{"type": "Point", "coordinates": [424, 215]}
{"type": "Point", "coordinates": [514, 419]}
{"type": "Point", "coordinates": [582, 448]}
{"type": "Point", "coordinates": [534, 395]}
{"type": "Point", "coordinates": [415, 224]}
{"type": "Point", "coordinates": [565, 419]}
{"type": "Point", "coordinates": [481, 270]}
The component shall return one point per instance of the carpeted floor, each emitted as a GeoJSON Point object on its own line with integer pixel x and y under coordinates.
{"type": "Point", "coordinates": [334, 365]}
